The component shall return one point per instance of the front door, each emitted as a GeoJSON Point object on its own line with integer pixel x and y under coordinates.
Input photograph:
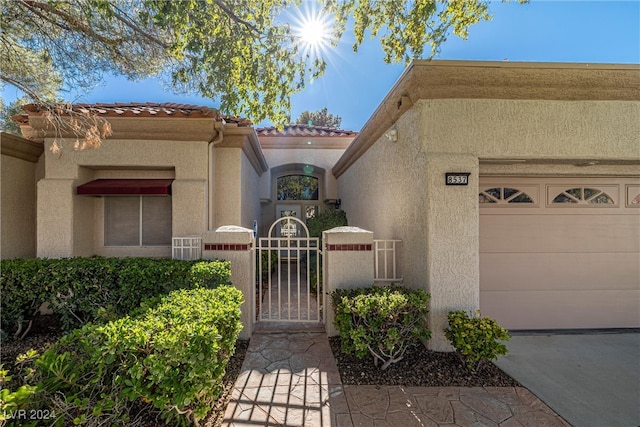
{"type": "Point", "coordinates": [288, 210]}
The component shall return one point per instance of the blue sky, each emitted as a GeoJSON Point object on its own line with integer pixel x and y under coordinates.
{"type": "Point", "coordinates": [588, 31]}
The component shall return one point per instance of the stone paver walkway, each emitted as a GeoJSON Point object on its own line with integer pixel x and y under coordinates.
{"type": "Point", "coordinates": [291, 379]}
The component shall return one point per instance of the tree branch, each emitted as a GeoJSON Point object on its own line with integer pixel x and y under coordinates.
{"type": "Point", "coordinates": [234, 17]}
{"type": "Point", "coordinates": [74, 22]}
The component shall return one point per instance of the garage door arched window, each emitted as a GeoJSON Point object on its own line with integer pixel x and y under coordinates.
{"type": "Point", "coordinates": [504, 195]}
{"type": "Point", "coordinates": [583, 196]}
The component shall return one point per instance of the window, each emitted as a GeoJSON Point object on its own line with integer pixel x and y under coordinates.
{"type": "Point", "coordinates": [137, 221]}
{"type": "Point", "coordinates": [633, 195]}
{"type": "Point", "coordinates": [297, 187]}
{"type": "Point", "coordinates": [504, 195]}
{"type": "Point", "coordinates": [583, 195]}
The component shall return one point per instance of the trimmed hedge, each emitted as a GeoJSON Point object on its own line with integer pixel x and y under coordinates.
{"type": "Point", "coordinates": [97, 289]}
{"type": "Point", "coordinates": [382, 321]}
{"type": "Point", "coordinates": [172, 356]}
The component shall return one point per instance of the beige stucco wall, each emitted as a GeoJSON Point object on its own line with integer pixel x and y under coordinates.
{"type": "Point", "coordinates": [397, 189]}
{"type": "Point", "coordinates": [227, 183]}
{"type": "Point", "coordinates": [71, 225]}
{"type": "Point", "coordinates": [250, 193]}
{"type": "Point", "coordinates": [384, 192]}
{"type": "Point", "coordinates": [323, 158]}
{"type": "Point", "coordinates": [17, 208]}
{"type": "Point", "coordinates": [531, 129]}
{"type": "Point", "coordinates": [236, 188]}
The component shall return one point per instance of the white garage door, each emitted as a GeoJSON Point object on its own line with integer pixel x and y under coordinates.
{"type": "Point", "coordinates": [560, 253]}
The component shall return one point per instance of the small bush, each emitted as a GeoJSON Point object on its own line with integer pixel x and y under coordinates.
{"type": "Point", "coordinates": [263, 264]}
{"type": "Point", "coordinates": [326, 220]}
{"type": "Point", "coordinates": [477, 340]}
{"type": "Point", "coordinates": [381, 321]}
{"type": "Point", "coordinates": [13, 401]}
{"type": "Point", "coordinates": [172, 356]}
{"type": "Point", "coordinates": [82, 290]}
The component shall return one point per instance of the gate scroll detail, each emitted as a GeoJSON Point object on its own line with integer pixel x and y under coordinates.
{"type": "Point", "coordinates": [289, 276]}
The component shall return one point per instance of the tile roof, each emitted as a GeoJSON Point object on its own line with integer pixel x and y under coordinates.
{"type": "Point", "coordinates": [304, 130]}
{"type": "Point", "coordinates": [139, 109]}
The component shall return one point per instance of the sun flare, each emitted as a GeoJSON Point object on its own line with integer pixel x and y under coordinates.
{"type": "Point", "coordinates": [313, 30]}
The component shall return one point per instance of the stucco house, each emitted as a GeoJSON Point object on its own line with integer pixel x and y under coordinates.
{"type": "Point", "coordinates": [514, 187]}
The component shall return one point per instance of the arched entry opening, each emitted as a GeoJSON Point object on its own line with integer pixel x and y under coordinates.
{"type": "Point", "coordinates": [298, 191]}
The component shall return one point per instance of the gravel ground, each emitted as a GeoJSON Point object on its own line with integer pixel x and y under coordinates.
{"type": "Point", "coordinates": [420, 367]}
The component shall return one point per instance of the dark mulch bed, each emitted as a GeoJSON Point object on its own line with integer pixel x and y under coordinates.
{"type": "Point", "coordinates": [420, 368]}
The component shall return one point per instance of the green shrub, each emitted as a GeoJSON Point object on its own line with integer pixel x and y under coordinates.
{"type": "Point", "coordinates": [82, 290]}
{"type": "Point", "coordinates": [13, 401]}
{"type": "Point", "coordinates": [263, 264]}
{"type": "Point", "coordinates": [172, 356]}
{"type": "Point", "coordinates": [381, 321]}
{"type": "Point", "coordinates": [477, 340]}
{"type": "Point", "coordinates": [326, 220]}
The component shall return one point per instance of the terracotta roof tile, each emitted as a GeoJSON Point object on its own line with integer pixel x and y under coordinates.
{"type": "Point", "coordinates": [305, 130]}
{"type": "Point", "coordinates": [146, 109]}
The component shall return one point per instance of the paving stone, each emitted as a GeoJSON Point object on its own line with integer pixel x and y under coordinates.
{"type": "Point", "coordinates": [372, 401]}
{"type": "Point", "coordinates": [511, 422]}
{"type": "Point", "coordinates": [408, 419]}
{"type": "Point", "coordinates": [526, 396]}
{"type": "Point", "coordinates": [486, 405]}
{"type": "Point", "coordinates": [437, 408]}
{"type": "Point", "coordinates": [255, 360]}
{"type": "Point", "coordinates": [484, 422]}
{"type": "Point", "coordinates": [449, 393]}
{"type": "Point", "coordinates": [401, 400]}
{"type": "Point", "coordinates": [462, 414]}
{"type": "Point", "coordinates": [507, 395]}
{"type": "Point", "coordinates": [361, 420]}
{"type": "Point", "coordinates": [538, 418]}
{"type": "Point", "coordinates": [292, 379]}
{"type": "Point", "coordinates": [343, 420]}
{"type": "Point", "coordinates": [276, 354]}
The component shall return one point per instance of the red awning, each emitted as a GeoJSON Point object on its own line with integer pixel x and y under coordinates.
{"type": "Point", "coordinates": [126, 187]}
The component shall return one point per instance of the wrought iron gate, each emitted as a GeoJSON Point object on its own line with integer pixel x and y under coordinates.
{"type": "Point", "coordinates": [289, 276]}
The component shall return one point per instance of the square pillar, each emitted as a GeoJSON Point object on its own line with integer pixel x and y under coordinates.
{"type": "Point", "coordinates": [55, 218]}
{"type": "Point", "coordinates": [452, 256]}
{"type": "Point", "coordinates": [237, 245]}
{"type": "Point", "coordinates": [347, 264]}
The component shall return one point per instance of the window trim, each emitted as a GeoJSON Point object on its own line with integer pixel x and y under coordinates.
{"type": "Point", "coordinates": [531, 191]}
{"type": "Point", "coordinates": [556, 190]}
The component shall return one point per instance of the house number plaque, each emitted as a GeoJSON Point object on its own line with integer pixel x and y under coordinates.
{"type": "Point", "coordinates": [457, 178]}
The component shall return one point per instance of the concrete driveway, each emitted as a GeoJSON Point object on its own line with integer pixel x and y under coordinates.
{"type": "Point", "coordinates": [590, 379]}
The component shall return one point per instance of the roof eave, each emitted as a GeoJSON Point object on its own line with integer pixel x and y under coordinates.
{"type": "Point", "coordinates": [424, 79]}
